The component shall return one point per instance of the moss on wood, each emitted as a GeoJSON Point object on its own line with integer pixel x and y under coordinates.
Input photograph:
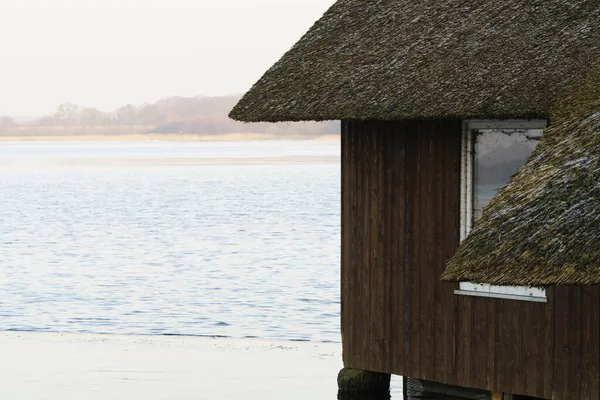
{"type": "Point", "coordinates": [359, 381]}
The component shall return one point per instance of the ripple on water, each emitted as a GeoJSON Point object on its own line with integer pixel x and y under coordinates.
{"type": "Point", "coordinates": [229, 250]}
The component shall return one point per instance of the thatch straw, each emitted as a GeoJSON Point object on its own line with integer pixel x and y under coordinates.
{"type": "Point", "coordinates": [404, 59]}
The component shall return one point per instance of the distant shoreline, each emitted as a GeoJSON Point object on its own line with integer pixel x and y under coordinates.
{"type": "Point", "coordinates": [151, 137]}
{"type": "Point", "coordinates": [86, 163]}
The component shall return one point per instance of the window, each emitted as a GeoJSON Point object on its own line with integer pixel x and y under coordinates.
{"type": "Point", "coordinates": [492, 151]}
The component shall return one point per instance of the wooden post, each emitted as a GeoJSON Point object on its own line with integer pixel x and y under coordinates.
{"type": "Point", "coordinates": [496, 396]}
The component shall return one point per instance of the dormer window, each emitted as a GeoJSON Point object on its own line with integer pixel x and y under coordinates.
{"type": "Point", "coordinates": [492, 151]}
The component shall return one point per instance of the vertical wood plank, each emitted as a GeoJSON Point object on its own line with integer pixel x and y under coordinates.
{"type": "Point", "coordinates": [439, 261]}
{"type": "Point", "coordinates": [352, 265]}
{"type": "Point", "coordinates": [512, 344]}
{"type": "Point", "coordinates": [590, 342]}
{"type": "Point", "coordinates": [399, 282]}
{"type": "Point", "coordinates": [354, 252]}
{"type": "Point", "coordinates": [359, 244]}
{"type": "Point", "coordinates": [413, 244]}
{"type": "Point", "coordinates": [377, 348]}
{"type": "Point", "coordinates": [501, 375]}
{"type": "Point", "coordinates": [492, 345]}
{"type": "Point", "coordinates": [365, 280]}
{"type": "Point", "coordinates": [478, 345]}
{"type": "Point", "coordinates": [372, 289]}
{"type": "Point", "coordinates": [426, 240]}
{"type": "Point", "coordinates": [385, 242]}
{"type": "Point", "coordinates": [345, 220]}
{"type": "Point", "coordinates": [351, 306]}
{"type": "Point", "coordinates": [560, 347]}
{"type": "Point", "coordinates": [574, 377]}
{"type": "Point", "coordinates": [408, 241]}
{"type": "Point", "coordinates": [382, 251]}
{"type": "Point", "coordinates": [593, 338]}
{"type": "Point", "coordinates": [391, 156]}
{"type": "Point", "coordinates": [464, 333]}
{"type": "Point", "coordinates": [547, 347]}
{"type": "Point", "coordinates": [517, 325]}
{"type": "Point", "coordinates": [532, 339]}
{"type": "Point", "coordinates": [451, 228]}
{"type": "Point", "coordinates": [514, 360]}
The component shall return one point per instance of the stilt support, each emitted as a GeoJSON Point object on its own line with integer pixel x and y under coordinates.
{"type": "Point", "coordinates": [359, 381]}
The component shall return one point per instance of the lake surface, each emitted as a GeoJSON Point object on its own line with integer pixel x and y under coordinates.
{"type": "Point", "coordinates": [236, 239]}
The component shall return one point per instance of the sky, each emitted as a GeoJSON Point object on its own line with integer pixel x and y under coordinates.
{"type": "Point", "coordinates": [107, 53]}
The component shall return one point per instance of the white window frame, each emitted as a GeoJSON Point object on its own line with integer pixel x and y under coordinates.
{"type": "Point", "coordinates": [466, 209]}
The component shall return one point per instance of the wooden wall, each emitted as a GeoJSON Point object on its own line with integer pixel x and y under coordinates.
{"type": "Point", "coordinates": [400, 223]}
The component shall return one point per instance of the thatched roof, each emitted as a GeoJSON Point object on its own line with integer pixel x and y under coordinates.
{"type": "Point", "coordinates": [399, 59]}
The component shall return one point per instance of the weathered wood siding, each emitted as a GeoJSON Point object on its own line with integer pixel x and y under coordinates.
{"type": "Point", "coordinates": [400, 223]}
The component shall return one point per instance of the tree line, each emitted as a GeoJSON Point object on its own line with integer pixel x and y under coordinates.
{"type": "Point", "coordinates": [192, 115]}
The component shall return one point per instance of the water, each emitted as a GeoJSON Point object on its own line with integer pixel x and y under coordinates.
{"type": "Point", "coordinates": [48, 366]}
{"type": "Point", "coordinates": [237, 239]}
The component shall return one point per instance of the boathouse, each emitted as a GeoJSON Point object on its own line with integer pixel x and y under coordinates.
{"type": "Point", "coordinates": [470, 186]}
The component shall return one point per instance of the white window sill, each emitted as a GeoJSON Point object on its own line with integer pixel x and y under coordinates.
{"type": "Point", "coordinates": [501, 296]}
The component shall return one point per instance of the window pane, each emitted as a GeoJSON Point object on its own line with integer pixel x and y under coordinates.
{"type": "Point", "coordinates": [498, 155]}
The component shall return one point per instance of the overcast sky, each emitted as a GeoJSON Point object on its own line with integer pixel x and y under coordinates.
{"type": "Point", "coordinates": [105, 53]}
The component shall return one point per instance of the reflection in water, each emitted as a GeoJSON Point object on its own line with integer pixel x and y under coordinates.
{"type": "Point", "coordinates": [363, 396]}
{"type": "Point", "coordinates": [406, 396]}
{"type": "Point", "coordinates": [432, 396]}
{"type": "Point", "coordinates": [427, 390]}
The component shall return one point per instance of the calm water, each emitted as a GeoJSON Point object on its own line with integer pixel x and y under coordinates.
{"type": "Point", "coordinates": [111, 238]}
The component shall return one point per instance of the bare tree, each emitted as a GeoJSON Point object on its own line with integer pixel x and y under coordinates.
{"type": "Point", "coordinates": [90, 117]}
{"type": "Point", "coordinates": [6, 123]}
{"type": "Point", "coordinates": [149, 114]}
{"type": "Point", "coordinates": [66, 114]}
{"type": "Point", "coordinates": [127, 115]}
